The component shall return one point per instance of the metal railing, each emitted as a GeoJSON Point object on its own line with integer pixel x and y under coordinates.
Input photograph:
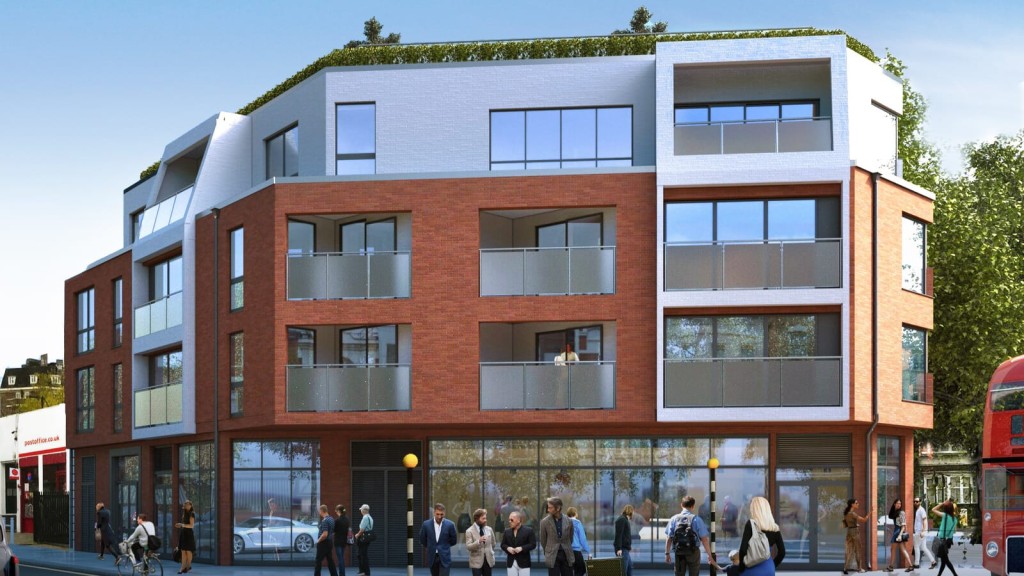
{"type": "Point", "coordinates": [158, 405]}
{"type": "Point", "coordinates": [754, 264]}
{"type": "Point", "coordinates": [349, 275]}
{"type": "Point", "coordinates": [753, 136]}
{"type": "Point", "coordinates": [547, 386]}
{"type": "Point", "coordinates": [349, 387]}
{"type": "Point", "coordinates": [753, 382]}
{"type": "Point", "coordinates": [157, 315]}
{"type": "Point", "coordinates": [547, 271]}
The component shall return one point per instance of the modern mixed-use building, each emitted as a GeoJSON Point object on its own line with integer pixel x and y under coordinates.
{"type": "Point", "coordinates": [392, 258]}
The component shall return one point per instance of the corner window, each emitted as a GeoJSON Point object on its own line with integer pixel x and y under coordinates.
{"type": "Point", "coordinates": [118, 391]}
{"type": "Point", "coordinates": [85, 410]}
{"type": "Point", "coordinates": [356, 139]}
{"type": "Point", "coordinates": [237, 268]}
{"type": "Point", "coordinates": [86, 320]}
{"type": "Point", "coordinates": [561, 138]}
{"type": "Point", "coordinates": [118, 312]}
{"type": "Point", "coordinates": [913, 255]}
{"type": "Point", "coordinates": [237, 369]}
{"type": "Point", "coordinates": [283, 154]}
{"type": "Point", "coordinates": [915, 364]}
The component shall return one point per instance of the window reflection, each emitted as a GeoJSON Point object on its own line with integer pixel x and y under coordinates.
{"type": "Point", "coordinates": [913, 255]}
{"type": "Point", "coordinates": [356, 146]}
{"type": "Point", "coordinates": [561, 138]}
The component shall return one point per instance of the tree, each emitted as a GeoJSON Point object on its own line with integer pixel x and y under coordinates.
{"type": "Point", "coordinates": [372, 29]}
{"type": "Point", "coordinates": [976, 247]}
{"type": "Point", "coordinates": [46, 392]}
{"type": "Point", "coordinates": [639, 23]}
{"type": "Point", "coordinates": [921, 160]}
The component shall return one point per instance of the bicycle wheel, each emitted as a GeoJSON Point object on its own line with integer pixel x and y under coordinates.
{"type": "Point", "coordinates": [155, 567]}
{"type": "Point", "coordinates": [124, 565]}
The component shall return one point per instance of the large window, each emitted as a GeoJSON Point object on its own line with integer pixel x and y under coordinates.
{"type": "Point", "coordinates": [370, 345]}
{"type": "Point", "coordinates": [889, 488]}
{"type": "Point", "coordinates": [237, 370]}
{"type": "Point", "coordinates": [598, 477]}
{"type": "Point", "coordinates": [745, 220]}
{"type": "Point", "coordinates": [86, 320]}
{"type": "Point", "coordinates": [118, 289]}
{"type": "Point", "coordinates": [126, 475]}
{"type": "Point", "coordinates": [118, 399]}
{"type": "Point", "coordinates": [364, 237]}
{"type": "Point", "coordinates": [913, 255]}
{"type": "Point", "coordinates": [301, 237]}
{"type": "Point", "coordinates": [283, 154]}
{"type": "Point", "coordinates": [276, 493]}
{"type": "Point", "coordinates": [197, 475]}
{"type": "Point", "coordinates": [237, 268]}
{"type": "Point", "coordinates": [86, 409]}
{"type": "Point", "coordinates": [301, 346]}
{"type": "Point", "coordinates": [561, 138]}
{"type": "Point", "coordinates": [775, 336]}
{"type": "Point", "coordinates": [759, 112]}
{"type": "Point", "coordinates": [165, 278]}
{"type": "Point", "coordinates": [357, 139]}
{"type": "Point", "coordinates": [915, 363]}
{"type": "Point", "coordinates": [165, 369]}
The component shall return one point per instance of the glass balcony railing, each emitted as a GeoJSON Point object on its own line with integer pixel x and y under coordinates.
{"type": "Point", "coordinates": [755, 264]}
{"type": "Point", "coordinates": [349, 387]}
{"type": "Point", "coordinates": [349, 275]}
{"type": "Point", "coordinates": [158, 405]}
{"type": "Point", "coordinates": [747, 137]}
{"type": "Point", "coordinates": [547, 271]}
{"type": "Point", "coordinates": [165, 213]}
{"type": "Point", "coordinates": [546, 386]}
{"type": "Point", "coordinates": [160, 314]}
{"type": "Point", "coordinates": [753, 382]}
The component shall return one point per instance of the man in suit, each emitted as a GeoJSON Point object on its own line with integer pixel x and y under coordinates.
{"type": "Point", "coordinates": [517, 542]}
{"type": "Point", "coordinates": [480, 544]}
{"type": "Point", "coordinates": [556, 539]}
{"type": "Point", "coordinates": [438, 536]}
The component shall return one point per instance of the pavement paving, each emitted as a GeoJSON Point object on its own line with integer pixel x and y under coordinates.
{"type": "Point", "coordinates": [966, 560]}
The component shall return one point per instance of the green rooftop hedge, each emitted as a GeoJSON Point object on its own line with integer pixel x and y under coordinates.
{"type": "Point", "coordinates": [620, 45]}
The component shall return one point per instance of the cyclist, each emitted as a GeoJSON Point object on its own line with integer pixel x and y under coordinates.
{"type": "Point", "coordinates": [139, 540]}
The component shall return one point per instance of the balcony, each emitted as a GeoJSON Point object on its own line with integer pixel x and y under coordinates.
{"type": "Point", "coordinates": [349, 388]}
{"type": "Point", "coordinates": [547, 386]}
{"type": "Point", "coordinates": [349, 275]}
{"type": "Point", "coordinates": [158, 405]}
{"type": "Point", "coordinates": [813, 134]}
{"type": "Point", "coordinates": [755, 264]}
{"type": "Point", "coordinates": [547, 271]}
{"type": "Point", "coordinates": [160, 314]}
{"type": "Point", "coordinates": [753, 382]}
{"type": "Point", "coordinates": [167, 212]}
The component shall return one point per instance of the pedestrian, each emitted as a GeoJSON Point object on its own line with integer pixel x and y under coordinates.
{"type": "Point", "coordinates": [761, 523]}
{"type": "Point", "coordinates": [438, 536]}
{"type": "Point", "coordinates": [580, 546]}
{"type": "Point", "coordinates": [518, 542]}
{"type": "Point", "coordinates": [139, 539]}
{"type": "Point", "coordinates": [920, 527]}
{"type": "Point", "coordinates": [854, 545]}
{"type": "Point", "coordinates": [364, 538]}
{"type": "Point", "coordinates": [480, 544]}
{"type": "Point", "coordinates": [342, 532]}
{"type": "Point", "coordinates": [900, 535]}
{"type": "Point", "coordinates": [944, 535]}
{"type": "Point", "coordinates": [687, 532]}
{"type": "Point", "coordinates": [324, 543]}
{"type": "Point", "coordinates": [556, 540]}
{"type": "Point", "coordinates": [187, 537]}
{"type": "Point", "coordinates": [106, 531]}
{"type": "Point", "coordinates": [624, 538]}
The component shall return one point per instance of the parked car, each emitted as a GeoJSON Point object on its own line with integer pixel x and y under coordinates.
{"type": "Point", "coordinates": [7, 558]}
{"type": "Point", "coordinates": [273, 533]}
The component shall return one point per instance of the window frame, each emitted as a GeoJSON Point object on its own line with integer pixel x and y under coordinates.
{"type": "Point", "coordinates": [118, 400]}
{"type": "Point", "coordinates": [904, 328]}
{"type": "Point", "coordinates": [566, 223]}
{"type": "Point", "coordinates": [152, 367]}
{"type": "Point", "coordinates": [924, 254]}
{"type": "Point", "coordinates": [338, 156]}
{"type": "Point", "coordinates": [236, 372]}
{"type": "Point", "coordinates": [283, 136]}
{"type": "Point", "coordinates": [381, 354]}
{"type": "Point", "coordinates": [85, 405]}
{"type": "Point", "coordinates": [814, 102]}
{"type": "Point", "coordinates": [89, 329]}
{"type": "Point", "coordinates": [118, 313]}
{"type": "Point", "coordinates": [236, 283]}
{"type": "Point", "coordinates": [561, 160]}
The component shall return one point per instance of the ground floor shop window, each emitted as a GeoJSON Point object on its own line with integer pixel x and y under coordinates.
{"type": "Point", "coordinates": [275, 497]}
{"type": "Point", "coordinates": [197, 477]}
{"type": "Point", "coordinates": [599, 477]}
{"type": "Point", "coordinates": [888, 490]}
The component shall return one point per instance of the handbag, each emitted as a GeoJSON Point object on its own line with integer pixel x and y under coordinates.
{"type": "Point", "coordinates": [757, 548]}
{"type": "Point", "coordinates": [367, 536]}
{"type": "Point", "coordinates": [99, 535]}
{"type": "Point", "coordinates": [176, 555]}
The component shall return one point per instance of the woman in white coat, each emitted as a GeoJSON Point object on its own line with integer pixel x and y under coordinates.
{"type": "Point", "coordinates": [480, 544]}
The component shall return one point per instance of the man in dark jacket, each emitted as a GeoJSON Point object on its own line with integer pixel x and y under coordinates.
{"type": "Point", "coordinates": [342, 529]}
{"type": "Point", "coordinates": [624, 538]}
{"type": "Point", "coordinates": [518, 542]}
{"type": "Point", "coordinates": [438, 536]}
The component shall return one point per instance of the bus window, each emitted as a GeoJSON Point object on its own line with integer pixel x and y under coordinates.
{"type": "Point", "coordinates": [1004, 489]}
{"type": "Point", "coordinates": [1009, 396]}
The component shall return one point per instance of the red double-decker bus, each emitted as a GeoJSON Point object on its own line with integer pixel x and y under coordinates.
{"type": "Point", "coordinates": [1002, 466]}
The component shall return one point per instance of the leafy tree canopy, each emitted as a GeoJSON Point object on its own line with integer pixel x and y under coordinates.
{"type": "Point", "coordinates": [977, 249]}
{"type": "Point", "coordinates": [921, 159]}
{"type": "Point", "coordinates": [639, 23]}
{"type": "Point", "coordinates": [372, 29]}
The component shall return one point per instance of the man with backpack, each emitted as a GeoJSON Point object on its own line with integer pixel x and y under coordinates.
{"type": "Point", "coordinates": [687, 532]}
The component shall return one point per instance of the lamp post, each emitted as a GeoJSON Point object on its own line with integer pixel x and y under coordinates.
{"type": "Point", "coordinates": [712, 467]}
{"type": "Point", "coordinates": [409, 461]}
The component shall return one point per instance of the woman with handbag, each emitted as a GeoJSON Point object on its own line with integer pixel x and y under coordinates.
{"type": "Point", "coordinates": [104, 532]}
{"type": "Point", "coordinates": [900, 535]}
{"type": "Point", "coordinates": [944, 536]}
{"type": "Point", "coordinates": [187, 537]}
{"type": "Point", "coordinates": [760, 536]}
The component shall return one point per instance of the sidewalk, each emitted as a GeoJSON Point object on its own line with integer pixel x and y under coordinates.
{"type": "Point", "coordinates": [42, 555]}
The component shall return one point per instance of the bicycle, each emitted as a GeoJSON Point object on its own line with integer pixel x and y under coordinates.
{"type": "Point", "coordinates": [150, 565]}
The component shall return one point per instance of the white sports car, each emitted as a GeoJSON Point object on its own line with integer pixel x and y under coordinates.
{"type": "Point", "coordinates": [273, 533]}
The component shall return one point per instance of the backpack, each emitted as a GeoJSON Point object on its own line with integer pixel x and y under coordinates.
{"type": "Point", "coordinates": [153, 543]}
{"type": "Point", "coordinates": [684, 539]}
{"type": "Point", "coordinates": [758, 549]}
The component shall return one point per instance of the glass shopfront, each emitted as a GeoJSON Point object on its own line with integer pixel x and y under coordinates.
{"type": "Point", "coordinates": [599, 477]}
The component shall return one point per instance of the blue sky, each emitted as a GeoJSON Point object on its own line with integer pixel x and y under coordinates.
{"type": "Point", "coordinates": [90, 92]}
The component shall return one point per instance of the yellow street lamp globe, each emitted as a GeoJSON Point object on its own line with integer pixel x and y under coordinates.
{"type": "Point", "coordinates": [410, 461]}
{"type": "Point", "coordinates": [713, 463]}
